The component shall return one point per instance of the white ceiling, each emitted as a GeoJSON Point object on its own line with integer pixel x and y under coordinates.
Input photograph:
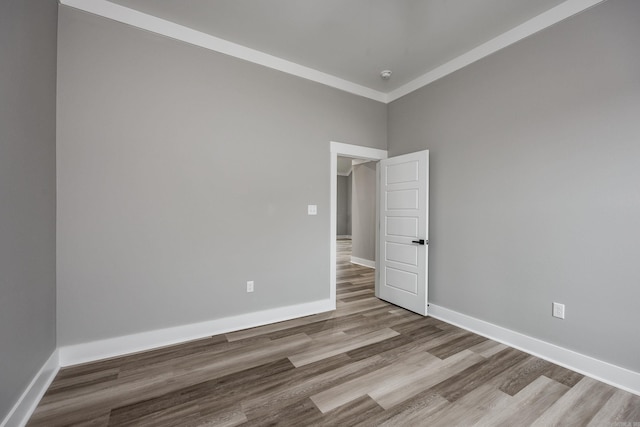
{"type": "Point", "coordinates": [351, 41]}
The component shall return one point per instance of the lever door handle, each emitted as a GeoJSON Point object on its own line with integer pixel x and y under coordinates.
{"type": "Point", "coordinates": [420, 242]}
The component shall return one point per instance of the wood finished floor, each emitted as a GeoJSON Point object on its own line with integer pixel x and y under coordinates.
{"type": "Point", "coordinates": [368, 363]}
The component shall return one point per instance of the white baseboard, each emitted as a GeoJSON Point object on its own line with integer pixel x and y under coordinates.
{"type": "Point", "coordinates": [363, 262]}
{"type": "Point", "coordinates": [69, 355]}
{"type": "Point", "coordinates": [118, 346]}
{"type": "Point", "coordinates": [24, 407]}
{"type": "Point", "coordinates": [616, 376]}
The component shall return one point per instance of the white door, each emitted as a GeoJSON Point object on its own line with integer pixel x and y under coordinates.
{"type": "Point", "coordinates": [403, 213]}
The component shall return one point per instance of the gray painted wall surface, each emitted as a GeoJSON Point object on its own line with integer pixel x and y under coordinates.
{"type": "Point", "coordinates": [363, 211]}
{"type": "Point", "coordinates": [535, 183]}
{"type": "Point", "coordinates": [27, 192]}
{"type": "Point", "coordinates": [343, 206]}
{"type": "Point", "coordinates": [174, 182]}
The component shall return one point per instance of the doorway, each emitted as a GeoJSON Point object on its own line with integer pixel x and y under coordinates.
{"type": "Point", "coordinates": [401, 225]}
{"type": "Point", "coordinates": [354, 152]}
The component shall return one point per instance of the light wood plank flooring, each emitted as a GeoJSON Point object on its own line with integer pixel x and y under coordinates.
{"type": "Point", "coordinates": [368, 363]}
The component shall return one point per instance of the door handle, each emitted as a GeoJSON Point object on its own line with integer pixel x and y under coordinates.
{"type": "Point", "coordinates": [420, 242]}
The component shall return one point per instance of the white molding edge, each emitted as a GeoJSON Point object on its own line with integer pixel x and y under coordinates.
{"type": "Point", "coordinates": [343, 236]}
{"type": "Point", "coordinates": [23, 409]}
{"type": "Point", "coordinates": [355, 151]}
{"type": "Point", "coordinates": [608, 373]}
{"type": "Point", "coordinates": [364, 262]}
{"type": "Point", "coordinates": [345, 173]}
{"type": "Point", "coordinates": [175, 31]}
{"type": "Point", "coordinates": [118, 346]}
{"type": "Point", "coordinates": [532, 26]}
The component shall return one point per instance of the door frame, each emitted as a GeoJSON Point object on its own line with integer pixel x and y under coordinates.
{"type": "Point", "coordinates": [355, 151]}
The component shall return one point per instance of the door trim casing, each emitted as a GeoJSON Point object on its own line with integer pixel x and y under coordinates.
{"type": "Point", "coordinates": [356, 151]}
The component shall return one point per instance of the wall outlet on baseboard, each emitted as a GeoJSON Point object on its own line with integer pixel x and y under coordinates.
{"type": "Point", "coordinates": [558, 310]}
{"type": "Point", "coordinates": [250, 286]}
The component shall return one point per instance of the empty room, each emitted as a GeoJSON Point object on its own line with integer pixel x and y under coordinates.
{"type": "Point", "coordinates": [320, 212]}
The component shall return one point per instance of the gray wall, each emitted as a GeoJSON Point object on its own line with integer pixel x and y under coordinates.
{"type": "Point", "coordinates": [343, 206]}
{"type": "Point", "coordinates": [27, 192]}
{"type": "Point", "coordinates": [174, 182]}
{"type": "Point", "coordinates": [535, 183]}
{"type": "Point", "coordinates": [363, 211]}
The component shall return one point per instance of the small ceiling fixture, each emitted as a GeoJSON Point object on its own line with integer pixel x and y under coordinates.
{"type": "Point", "coordinates": [386, 74]}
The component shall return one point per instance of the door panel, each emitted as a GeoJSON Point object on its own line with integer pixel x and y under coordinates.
{"type": "Point", "coordinates": [405, 254]}
{"type": "Point", "coordinates": [402, 199]}
{"type": "Point", "coordinates": [407, 172]}
{"type": "Point", "coordinates": [402, 280]}
{"type": "Point", "coordinates": [403, 220]}
{"type": "Point", "coordinates": [397, 226]}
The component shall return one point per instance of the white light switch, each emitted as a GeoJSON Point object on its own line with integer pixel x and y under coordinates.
{"type": "Point", "coordinates": [558, 310]}
{"type": "Point", "coordinates": [312, 209]}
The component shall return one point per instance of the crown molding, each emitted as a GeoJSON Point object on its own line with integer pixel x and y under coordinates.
{"type": "Point", "coordinates": [175, 31]}
{"type": "Point", "coordinates": [532, 26]}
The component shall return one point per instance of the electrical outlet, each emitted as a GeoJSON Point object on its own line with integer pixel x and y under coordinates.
{"type": "Point", "coordinates": [558, 310]}
{"type": "Point", "coordinates": [250, 286]}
